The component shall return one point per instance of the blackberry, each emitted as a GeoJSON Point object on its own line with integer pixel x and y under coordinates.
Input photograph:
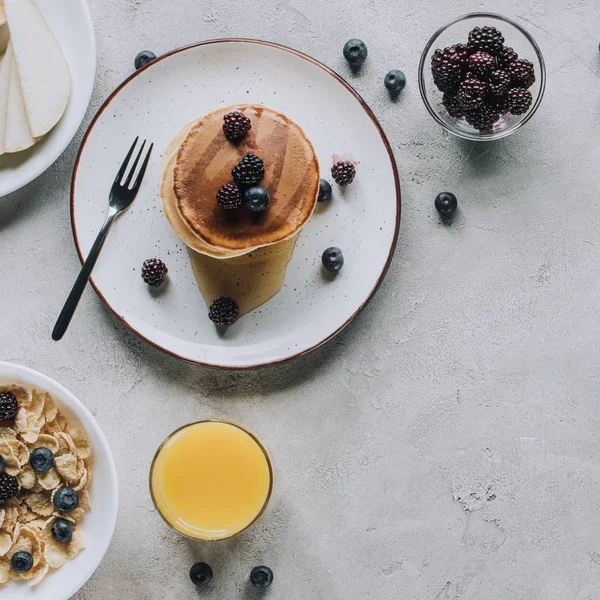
{"type": "Point", "coordinates": [230, 196]}
{"type": "Point", "coordinates": [8, 406]}
{"type": "Point", "coordinates": [236, 126]}
{"type": "Point", "coordinates": [448, 66]}
{"type": "Point", "coordinates": [9, 487]}
{"type": "Point", "coordinates": [483, 118]}
{"type": "Point", "coordinates": [505, 57]}
{"type": "Point", "coordinates": [500, 103]}
{"type": "Point", "coordinates": [481, 64]}
{"type": "Point", "coordinates": [499, 83]}
{"type": "Point", "coordinates": [471, 93]}
{"type": "Point", "coordinates": [488, 39]}
{"type": "Point", "coordinates": [154, 271]}
{"type": "Point", "coordinates": [249, 171]}
{"type": "Point", "coordinates": [224, 311]}
{"type": "Point", "coordinates": [452, 105]}
{"type": "Point", "coordinates": [521, 73]}
{"type": "Point", "coordinates": [519, 100]}
{"type": "Point", "coordinates": [343, 172]}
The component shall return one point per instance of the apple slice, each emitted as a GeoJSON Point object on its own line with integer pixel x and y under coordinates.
{"type": "Point", "coordinates": [18, 133]}
{"type": "Point", "coordinates": [5, 71]}
{"type": "Point", "coordinates": [41, 66]}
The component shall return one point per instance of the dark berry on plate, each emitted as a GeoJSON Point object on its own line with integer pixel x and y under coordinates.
{"type": "Point", "coordinates": [448, 66]}
{"type": "Point", "coordinates": [154, 271]}
{"type": "Point", "coordinates": [325, 191]}
{"type": "Point", "coordinates": [256, 198]}
{"type": "Point", "coordinates": [236, 126]}
{"type": "Point", "coordinates": [2, 464]}
{"type": "Point", "coordinates": [261, 577]}
{"type": "Point", "coordinates": [452, 105]}
{"type": "Point", "coordinates": [505, 57]}
{"type": "Point", "coordinates": [471, 93]}
{"type": "Point", "coordinates": [333, 259]}
{"type": "Point", "coordinates": [249, 171]}
{"type": "Point", "coordinates": [481, 64]}
{"type": "Point", "coordinates": [66, 500]}
{"type": "Point", "coordinates": [143, 58]}
{"type": "Point", "coordinates": [395, 81]}
{"type": "Point", "coordinates": [483, 118]}
{"type": "Point", "coordinates": [343, 172]}
{"type": "Point", "coordinates": [230, 196]}
{"type": "Point", "coordinates": [41, 460]}
{"type": "Point", "coordinates": [224, 311]}
{"type": "Point", "coordinates": [446, 204]}
{"type": "Point", "coordinates": [9, 487]}
{"type": "Point", "coordinates": [499, 83]}
{"type": "Point", "coordinates": [355, 52]}
{"type": "Point", "coordinates": [62, 531]}
{"type": "Point", "coordinates": [201, 574]}
{"type": "Point", "coordinates": [21, 562]}
{"type": "Point", "coordinates": [8, 406]}
{"type": "Point", "coordinates": [519, 100]}
{"type": "Point", "coordinates": [521, 73]}
{"type": "Point", "coordinates": [488, 39]}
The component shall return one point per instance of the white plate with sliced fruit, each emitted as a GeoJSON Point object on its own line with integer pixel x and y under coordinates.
{"type": "Point", "coordinates": [47, 72]}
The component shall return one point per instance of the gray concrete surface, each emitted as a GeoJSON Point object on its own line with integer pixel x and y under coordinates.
{"type": "Point", "coordinates": [446, 445]}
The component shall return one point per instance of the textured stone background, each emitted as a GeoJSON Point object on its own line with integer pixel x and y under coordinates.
{"type": "Point", "coordinates": [446, 445]}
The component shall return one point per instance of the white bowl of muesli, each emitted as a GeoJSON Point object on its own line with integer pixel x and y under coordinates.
{"type": "Point", "coordinates": [54, 463]}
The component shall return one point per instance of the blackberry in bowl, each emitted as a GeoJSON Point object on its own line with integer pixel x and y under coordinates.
{"type": "Point", "coordinates": [482, 76]}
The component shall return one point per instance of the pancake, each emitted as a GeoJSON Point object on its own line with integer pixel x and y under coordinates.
{"type": "Point", "coordinates": [203, 164]}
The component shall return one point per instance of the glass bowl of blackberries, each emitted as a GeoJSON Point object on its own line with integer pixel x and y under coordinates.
{"type": "Point", "coordinates": [482, 76]}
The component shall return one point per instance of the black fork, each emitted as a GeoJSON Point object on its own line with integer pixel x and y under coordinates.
{"type": "Point", "coordinates": [121, 197]}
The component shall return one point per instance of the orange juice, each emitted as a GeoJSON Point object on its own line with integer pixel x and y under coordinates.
{"type": "Point", "coordinates": [211, 479]}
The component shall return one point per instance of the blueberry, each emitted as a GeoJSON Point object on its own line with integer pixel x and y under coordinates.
{"type": "Point", "coordinates": [446, 204]}
{"type": "Point", "coordinates": [21, 562]}
{"type": "Point", "coordinates": [333, 259]}
{"type": "Point", "coordinates": [201, 574]}
{"type": "Point", "coordinates": [143, 58]}
{"type": "Point", "coordinates": [2, 464]}
{"type": "Point", "coordinates": [256, 198]}
{"type": "Point", "coordinates": [355, 52]}
{"type": "Point", "coordinates": [261, 577]}
{"type": "Point", "coordinates": [324, 191]}
{"type": "Point", "coordinates": [41, 460]}
{"type": "Point", "coordinates": [62, 531]}
{"type": "Point", "coordinates": [66, 500]}
{"type": "Point", "coordinates": [395, 81]}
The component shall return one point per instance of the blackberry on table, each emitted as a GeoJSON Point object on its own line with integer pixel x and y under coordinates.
{"type": "Point", "coordinates": [230, 196]}
{"type": "Point", "coordinates": [499, 83]}
{"type": "Point", "coordinates": [236, 126]}
{"type": "Point", "coordinates": [224, 311]}
{"type": "Point", "coordinates": [521, 73]}
{"type": "Point", "coordinates": [519, 100]}
{"type": "Point", "coordinates": [343, 172]}
{"type": "Point", "coordinates": [9, 487]}
{"type": "Point", "coordinates": [488, 39]}
{"type": "Point", "coordinates": [448, 66]}
{"type": "Point", "coordinates": [249, 171]}
{"type": "Point", "coordinates": [452, 105]}
{"type": "Point", "coordinates": [8, 406]}
{"type": "Point", "coordinates": [154, 271]}
{"type": "Point", "coordinates": [505, 57]}
{"type": "Point", "coordinates": [471, 93]}
{"type": "Point", "coordinates": [481, 64]}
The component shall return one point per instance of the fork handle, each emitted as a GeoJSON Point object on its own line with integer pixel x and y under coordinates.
{"type": "Point", "coordinates": [73, 300]}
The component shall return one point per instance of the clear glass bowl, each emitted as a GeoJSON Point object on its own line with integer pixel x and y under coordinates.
{"type": "Point", "coordinates": [457, 32]}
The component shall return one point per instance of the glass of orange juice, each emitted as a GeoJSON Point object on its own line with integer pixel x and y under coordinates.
{"type": "Point", "coordinates": [211, 480]}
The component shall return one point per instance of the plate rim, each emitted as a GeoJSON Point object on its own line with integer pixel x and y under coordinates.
{"type": "Point", "coordinates": [364, 106]}
{"type": "Point", "coordinates": [35, 174]}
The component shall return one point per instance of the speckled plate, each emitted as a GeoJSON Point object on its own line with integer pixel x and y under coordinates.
{"type": "Point", "coordinates": [363, 220]}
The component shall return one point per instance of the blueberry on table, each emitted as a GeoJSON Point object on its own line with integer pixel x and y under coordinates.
{"type": "Point", "coordinates": [446, 204]}
{"type": "Point", "coordinates": [143, 58]}
{"type": "Point", "coordinates": [41, 460]}
{"type": "Point", "coordinates": [21, 562]}
{"type": "Point", "coordinates": [62, 531]}
{"type": "Point", "coordinates": [333, 259]}
{"type": "Point", "coordinates": [395, 81]}
{"type": "Point", "coordinates": [201, 574]}
{"type": "Point", "coordinates": [325, 191]}
{"type": "Point", "coordinates": [256, 198]}
{"type": "Point", "coordinates": [261, 577]}
{"type": "Point", "coordinates": [355, 52]}
{"type": "Point", "coordinates": [66, 500]}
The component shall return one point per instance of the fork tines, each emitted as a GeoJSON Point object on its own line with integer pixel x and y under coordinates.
{"type": "Point", "coordinates": [142, 170]}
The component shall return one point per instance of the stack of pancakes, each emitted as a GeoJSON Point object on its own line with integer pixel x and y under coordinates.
{"type": "Point", "coordinates": [238, 253]}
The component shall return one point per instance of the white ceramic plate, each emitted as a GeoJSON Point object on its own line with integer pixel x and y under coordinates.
{"type": "Point", "coordinates": [99, 524]}
{"type": "Point", "coordinates": [71, 22]}
{"type": "Point", "coordinates": [363, 220]}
